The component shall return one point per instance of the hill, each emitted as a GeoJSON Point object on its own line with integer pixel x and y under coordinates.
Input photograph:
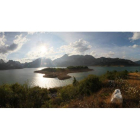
{"type": "Point", "coordinates": [65, 61]}
{"type": "Point", "coordinates": [137, 62]}
{"type": "Point", "coordinates": [89, 60]}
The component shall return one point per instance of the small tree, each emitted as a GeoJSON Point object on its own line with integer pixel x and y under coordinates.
{"type": "Point", "coordinates": [74, 81]}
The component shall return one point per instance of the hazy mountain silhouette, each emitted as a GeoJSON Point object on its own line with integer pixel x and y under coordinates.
{"type": "Point", "coordinates": [10, 65]}
{"type": "Point", "coordinates": [74, 60]}
{"type": "Point", "coordinates": [64, 61]}
{"type": "Point", "coordinates": [40, 62]}
{"type": "Point", "coordinates": [89, 60]}
{"type": "Point", "coordinates": [138, 62]}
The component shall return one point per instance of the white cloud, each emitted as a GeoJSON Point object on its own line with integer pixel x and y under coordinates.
{"type": "Point", "coordinates": [3, 56]}
{"type": "Point", "coordinates": [2, 39]}
{"type": "Point", "coordinates": [20, 39]}
{"type": "Point", "coordinates": [135, 46]}
{"type": "Point", "coordinates": [31, 33]}
{"type": "Point", "coordinates": [42, 50]}
{"type": "Point", "coordinates": [77, 47]}
{"type": "Point", "coordinates": [93, 53]}
{"type": "Point", "coordinates": [109, 54]}
{"type": "Point", "coordinates": [135, 36]}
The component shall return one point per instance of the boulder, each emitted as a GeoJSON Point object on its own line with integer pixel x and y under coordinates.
{"type": "Point", "coordinates": [117, 97]}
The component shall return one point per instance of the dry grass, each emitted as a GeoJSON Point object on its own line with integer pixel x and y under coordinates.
{"type": "Point", "coordinates": [130, 90]}
{"type": "Point", "coordinates": [134, 79]}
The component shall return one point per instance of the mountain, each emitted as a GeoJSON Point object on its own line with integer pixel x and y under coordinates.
{"type": "Point", "coordinates": [64, 61]}
{"type": "Point", "coordinates": [138, 62]}
{"type": "Point", "coordinates": [40, 62]}
{"type": "Point", "coordinates": [114, 62]}
{"type": "Point", "coordinates": [89, 60]}
{"type": "Point", "coordinates": [74, 60]}
{"type": "Point", "coordinates": [10, 65]}
{"type": "Point", "coordinates": [1, 61]}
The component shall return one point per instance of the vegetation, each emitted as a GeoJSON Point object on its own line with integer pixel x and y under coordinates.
{"type": "Point", "coordinates": [112, 75]}
{"type": "Point", "coordinates": [77, 67]}
{"type": "Point", "coordinates": [92, 91]}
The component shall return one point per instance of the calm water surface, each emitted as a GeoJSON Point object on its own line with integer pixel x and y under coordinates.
{"type": "Point", "coordinates": [35, 79]}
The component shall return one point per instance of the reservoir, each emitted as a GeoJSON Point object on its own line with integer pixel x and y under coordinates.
{"type": "Point", "coordinates": [27, 75]}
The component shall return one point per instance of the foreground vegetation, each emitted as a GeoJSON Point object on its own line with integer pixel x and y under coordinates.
{"type": "Point", "coordinates": [93, 91]}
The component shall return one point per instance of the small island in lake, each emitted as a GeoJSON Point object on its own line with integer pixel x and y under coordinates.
{"type": "Point", "coordinates": [61, 73]}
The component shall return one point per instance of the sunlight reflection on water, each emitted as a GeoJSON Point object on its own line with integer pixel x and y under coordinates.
{"type": "Point", "coordinates": [39, 80]}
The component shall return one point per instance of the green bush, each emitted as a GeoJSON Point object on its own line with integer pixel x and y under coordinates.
{"type": "Point", "coordinates": [112, 75]}
{"type": "Point", "coordinates": [89, 85]}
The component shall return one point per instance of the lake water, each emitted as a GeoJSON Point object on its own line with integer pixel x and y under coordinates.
{"type": "Point", "coordinates": [35, 79]}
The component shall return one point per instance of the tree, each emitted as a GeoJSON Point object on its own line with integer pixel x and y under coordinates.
{"type": "Point", "coordinates": [74, 81]}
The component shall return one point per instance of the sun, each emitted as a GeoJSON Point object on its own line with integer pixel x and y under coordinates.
{"type": "Point", "coordinates": [42, 49]}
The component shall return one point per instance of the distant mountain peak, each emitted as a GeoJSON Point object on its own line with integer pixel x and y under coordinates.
{"type": "Point", "coordinates": [65, 55]}
{"type": "Point", "coordinates": [1, 61]}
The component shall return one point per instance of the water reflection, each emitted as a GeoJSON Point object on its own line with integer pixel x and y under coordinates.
{"type": "Point", "coordinates": [39, 80]}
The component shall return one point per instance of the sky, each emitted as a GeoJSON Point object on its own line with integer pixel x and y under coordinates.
{"type": "Point", "coordinates": [28, 46]}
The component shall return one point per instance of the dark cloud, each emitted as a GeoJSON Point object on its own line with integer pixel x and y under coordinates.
{"type": "Point", "coordinates": [7, 49]}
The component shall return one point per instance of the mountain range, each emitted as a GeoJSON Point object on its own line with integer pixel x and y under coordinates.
{"type": "Point", "coordinates": [64, 61]}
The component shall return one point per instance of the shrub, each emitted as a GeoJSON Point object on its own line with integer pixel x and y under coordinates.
{"type": "Point", "coordinates": [112, 75]}
{"type": "Point", "coordinates": [89, 85]}
{"type": "Point", "coordinates": [75, 82]}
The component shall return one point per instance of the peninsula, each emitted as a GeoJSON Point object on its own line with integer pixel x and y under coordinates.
{"type": "Point", "coordinates": [61, 73]}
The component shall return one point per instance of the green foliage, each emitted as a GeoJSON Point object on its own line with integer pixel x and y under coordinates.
{"type": "Point", "coordinates": [89, 85]}
{"type": "Point", "coordinates": [86, 87]}
{"type": "Point", "coordinates": [75, 82]}
{"type": "Point", "coordinates": [68, 92]}
{"type": "Point", "coordinates": [112, 75]}
{"type": "Point", "coordinates": [17, 95]}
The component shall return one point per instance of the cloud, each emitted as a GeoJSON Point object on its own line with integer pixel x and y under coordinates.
{"type": "Point", "coordinates": [135, 46]}
{"type": "Point", "coordinates": [2, 39]}
{"type": "Point", "coordinates": [77, 47]}
{"type": "Point", "coordinates": [109, 54]}
{"type": "Point", "coordinates": [135, 36]}
{"type": "Point", "coordinates": [7, 49]}
{"type": "Point", "coordinates": [93, 53]}
{"type": "Point", "coordinates": [42, 50]}
{"type": "Point", "coordinates": [3, 56]}
{"type": "Point", "coordinates": [31, 33]}
{"type": "Point", "coordinates": [16, 45]}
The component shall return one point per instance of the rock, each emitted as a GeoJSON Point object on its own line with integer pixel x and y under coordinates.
{"type": "Point", "coordinates": [117, 97]}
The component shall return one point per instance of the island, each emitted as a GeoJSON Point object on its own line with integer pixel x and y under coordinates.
{"type": "Point", "coordinates": [62, 73]}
